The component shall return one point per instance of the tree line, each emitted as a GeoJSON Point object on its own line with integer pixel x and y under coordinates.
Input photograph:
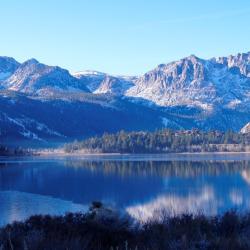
{"type": "Point", "coordinates": [163, 141]}
{"type": "Point", "coordinates": [7, 151]}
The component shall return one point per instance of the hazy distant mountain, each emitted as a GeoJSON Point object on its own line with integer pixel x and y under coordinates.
{"type": "Point", "coordinates": [98, 82]}
{"type": "Point", "coordinates": [92, 79]}
{"type": "Point", "coordinates": [48, 103]}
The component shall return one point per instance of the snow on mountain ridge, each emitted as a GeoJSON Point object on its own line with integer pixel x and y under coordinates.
{"type": "Point", "coordinates": [32, 77]}
{"type": "Point", "coordinates": [193, 81]}
{"type": "Point", "coordinates": [92, 79]}
{"type": "Point", "coordinates": [113, 85]}
{"type": "Point", "coordinates": [88, 72]}
{"type": "Point", "coordinates": [240, 61]}
{"type": "Point", "coordinates": [8, 65]}
{"type": "Point", "coordinates": [190, 81]}
{"type": "Point", "coordinates": [188, 93]}
{"type": "Point", "coordinates": [101, 83]}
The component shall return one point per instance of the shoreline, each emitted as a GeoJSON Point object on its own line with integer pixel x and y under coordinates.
{"type": "Point", "coordinates": [180, 156]}
{"type": "Point", "coordinates": [137, 154]}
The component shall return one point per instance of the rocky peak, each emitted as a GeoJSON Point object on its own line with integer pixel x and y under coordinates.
{"type": "Point", "coordinates": [30, 62]}
{"type": "Point", "coordinates": [246, 129]}
{"type": "Point", "coordinates": [194, 82]}
{"type": "Point", "coordinates": [174, 75]}
{"type": "Point", "coordinates": [187, 69]}
{"type": "Point", "coordinates": [32, 77]}
{"type": "Point", "coordinates": [8, 66]}
{"type": "Point", "coordinates": [240, 61]}
{"type": "Point", "coordinates": [114, 85]}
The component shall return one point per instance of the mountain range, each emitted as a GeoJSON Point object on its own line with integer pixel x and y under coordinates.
{"type": "Point", "coordinates": [44, 103]}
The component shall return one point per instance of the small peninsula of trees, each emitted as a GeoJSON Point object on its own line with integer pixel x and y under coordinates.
{"type": "Point", "coordinates": [163, 141]}
{"type": "Point", "coordinates": [6, 151]}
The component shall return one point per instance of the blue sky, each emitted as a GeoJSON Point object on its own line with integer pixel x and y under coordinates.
{"type": "Point", "coordinates": [122, 37]}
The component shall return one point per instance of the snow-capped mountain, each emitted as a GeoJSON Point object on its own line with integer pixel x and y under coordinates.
{"type": "Point", "coordinates": [240, 61]}
{"type": "Point", "coordinates": [33, 77]}
{"type": "Point", "coordinates": [92, 79]}
{"type": "Point", "coordinates": [188, 93]}
{"type": "Point", "coordinates": [194, 82]}
{"type": "Point", "coordinates": [114, 85]}
{"type": "Point", "coordinates": [100, 83]}
{"type": "Point", "coordinates": [8, 66]}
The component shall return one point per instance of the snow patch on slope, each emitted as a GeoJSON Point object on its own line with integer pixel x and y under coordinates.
{"type": "Point", "coordinates": [26, 126]}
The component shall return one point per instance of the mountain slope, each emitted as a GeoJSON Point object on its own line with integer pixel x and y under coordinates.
{"type": "Point", "coordinates": [194, 82]}
{"type": "Point", "coordinates": [23, 117]}
{"type": "Point", "coordinates": [8, 66]}
{"type": "Point", "coordinates": [33, 77]}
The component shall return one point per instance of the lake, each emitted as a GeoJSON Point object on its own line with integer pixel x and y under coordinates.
{"type": "Point", "coordinates": [142, 185]}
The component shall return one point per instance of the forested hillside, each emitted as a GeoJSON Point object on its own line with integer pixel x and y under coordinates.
{"type": "Point", "coordinates": [163, 141]}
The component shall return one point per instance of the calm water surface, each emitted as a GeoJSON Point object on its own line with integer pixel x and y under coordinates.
{"type": "Point", "coordinates": [141, 185]}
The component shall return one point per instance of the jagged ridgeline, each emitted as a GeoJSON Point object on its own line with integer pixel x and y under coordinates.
{"type": "Point", "coordinates": [163, 141]}
{"type": "Point", "coordinates": [47, 103]}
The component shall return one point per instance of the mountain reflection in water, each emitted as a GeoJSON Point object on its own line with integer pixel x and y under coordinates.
{"type": "Point", "coordinates": [142, 188]}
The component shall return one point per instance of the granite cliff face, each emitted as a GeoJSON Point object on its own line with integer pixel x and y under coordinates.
{"type": "Point", "coordinates": [240, 61]}
{"type": "Point", "coordinates": [195, 82]}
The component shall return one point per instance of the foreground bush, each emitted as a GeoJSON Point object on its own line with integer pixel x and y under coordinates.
{"type": "Point", "coordinates": [93, 231]}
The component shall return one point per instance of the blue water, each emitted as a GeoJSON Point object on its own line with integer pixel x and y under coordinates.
{"type": "Point", "coordinates": [142, 186]}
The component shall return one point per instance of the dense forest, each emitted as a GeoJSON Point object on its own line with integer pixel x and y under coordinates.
{"type": "Point", "coordinates": [163, 141]}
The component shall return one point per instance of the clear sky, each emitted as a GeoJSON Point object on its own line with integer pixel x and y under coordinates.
{"type": "Point", "coordinates": [122, 37]}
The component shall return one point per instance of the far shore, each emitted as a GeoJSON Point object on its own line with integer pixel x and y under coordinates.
{"type": "Point", "coordinates": [46, 153]}
{"type": "Point", "coordinates": [62, 153]}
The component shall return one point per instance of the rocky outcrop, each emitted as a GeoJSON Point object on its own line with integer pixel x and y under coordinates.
{"type": "Point", "coordinates": [241, 61]}
{"type": "Point", "coordinates": [245, 129]}
{"type": "Point", "coordinates": [8, 66]}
